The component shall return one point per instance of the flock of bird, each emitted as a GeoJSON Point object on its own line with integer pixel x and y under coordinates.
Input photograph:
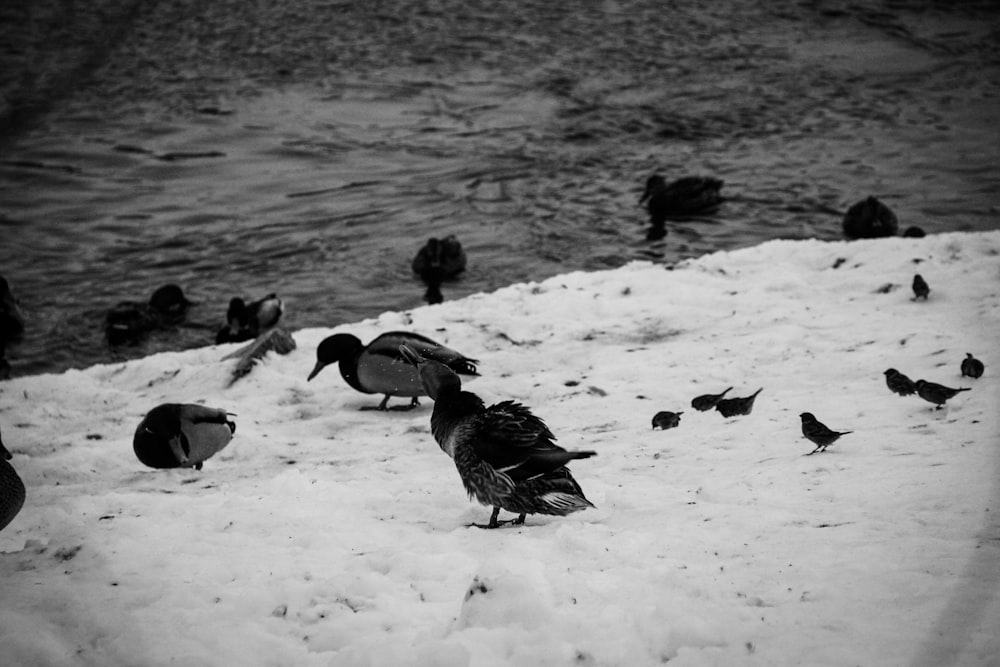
{"type": "Point", "coordinates": [506, 456]}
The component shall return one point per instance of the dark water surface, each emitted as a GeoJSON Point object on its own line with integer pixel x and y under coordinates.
{"type": "Point", "coordinates": [309, 148]}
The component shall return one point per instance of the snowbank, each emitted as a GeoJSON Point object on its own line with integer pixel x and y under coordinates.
{"type": "Point", "coordinates": [326, 535]}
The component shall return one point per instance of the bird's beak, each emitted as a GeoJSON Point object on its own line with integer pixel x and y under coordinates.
{"type": "Point", "coordinates": [315, 371]}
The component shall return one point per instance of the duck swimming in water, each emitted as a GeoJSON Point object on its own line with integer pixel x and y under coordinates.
{"type": "Point", "coordinates": [129, 321]}
{"type": "Point", "coordinates": [437, 261]}
{"type": "Point", "coordinates": [869, 219]}
{"type": "Point", "coordinates": [505, 455]}
{"type": "Point", "coordinates": [246, 321]}
{"type": "Point", "coordinates": [691, 195]}
{"type": "Point", "coordinates": [380, 368]}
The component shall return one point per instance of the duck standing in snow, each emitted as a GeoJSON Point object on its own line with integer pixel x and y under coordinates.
{"type": "Point", "coordinates": [181, 435]}
{"type": "Point", "coordinates": [380, 367]}
{"type": "Point", "coordinates": [439, 260]}
{"type": "Point", "coordinates": [869, 219]}
{"type": "Point", "coordinates": [246, 321]}
{"type": "Point", "coordinates": [505, 455]}
{"type": "Point", "coordinates": [691, 195]}
{"type": "Point", "coordinates": [11, 489]}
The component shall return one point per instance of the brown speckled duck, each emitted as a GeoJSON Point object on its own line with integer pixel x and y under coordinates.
{"type": "Point", "coordinates": [505, 455]}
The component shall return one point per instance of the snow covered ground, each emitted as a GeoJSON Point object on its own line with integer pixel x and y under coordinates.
{"type": "Point", "coordinates": [326, 535]}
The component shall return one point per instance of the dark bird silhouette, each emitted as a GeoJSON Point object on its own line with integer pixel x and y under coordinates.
{"type": "Point", "coordinates": [667, 419]}
{"type": "Point", "coordinates": [437, 261]}
{"type": "Point", "coordinates": [921, 289]}
{"type": "Point", "coordinates": [505, 455]}
{"type": "Point", "coordinates": [818, 433]}
{"type": "Point", "coordinates": [707, 401]}
{"type": "Point", "coordinates": [11, 324]}
{"type": "Point", "coordinates": [869, 219]}
{"type": "Point", "coordinates": [12, 491]}
{"type": "Point", "coordinates": [914, 232]}
{"type": "Point", "coordinates": [730, 407]}
{"type": "Point", "coordinates": [688, 196]}
{"type": "Point", "coordinates": [247, 321]}
{"type": "Point", "coordinates": [181, 435]}
{"type": "Point", "coordinates": [972, 367]}
{"type": "Point", "coordinates": [938, 394]}
{"type": "Point", "coordinates": [380, 368]}
{"type": "Point", "coordinates": [899, 383]}
{"type": "Point", "coordinates": [129, 321]}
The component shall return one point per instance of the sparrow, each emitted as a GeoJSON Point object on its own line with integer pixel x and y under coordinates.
{"type": "Point", "coordinates": [707, 401]}
{"type": "Point", "coordinates": [730, 407]}
{"type": "Point", "coordinates": [972, 367]}
{"type": "Point", "coordinates": [667, 419]}
{"type": "Point", "coordinates": [920, 288]}
{"type": "Point", "coordinates": [938, 394]}
{"type": "Point", "coordinates": [818, 433]}
{"type": "Point", "coordinates": [899, 383]}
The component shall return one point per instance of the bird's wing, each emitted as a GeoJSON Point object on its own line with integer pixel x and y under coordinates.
{"type": "Point", "coordinates": [513, 440]}
{"type": "Point", "coordinates": [388, 344]}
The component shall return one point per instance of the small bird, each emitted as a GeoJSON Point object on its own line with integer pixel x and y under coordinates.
{"type": "Point", "coordinates": [380, 368]}
{"type": "Point", "coordinates": [817, 432]}
{"type": "Point", "coordinates": [920, 288]}
{"type": "Point", "coordinates": [972, 367]}
{"type": "Point", "coordinates": [730, 407]}
{"type": "Point", "coordinates": [899, 383]}
{"type": "Point", "coordinates": [505, 455]}
{"type": "Point", "coordinates": [869, 219]}
{"type": "Point", "coordinates": [707, 401]}
{"type": "Point", "coordinates": [938, 394]}
{"type": "Point", "coordinates": [246, 321]}
{"type": "Point", "coordinates": [11, 489]}
{"type": "Point", "coordinates": [914, 232]}
{"type": "Point", "coordinates": [687, 196]}
{"type": "Point", "coordinates": [181, 435]}
{"type": "Point", "coordinates": [438, 261]}
{"type": "Point", "coordinates": [666, 419]}
{"type": "Point", "coordinates": [129, 321]}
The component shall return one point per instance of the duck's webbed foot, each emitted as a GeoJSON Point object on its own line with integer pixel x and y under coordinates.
{"type": "Point", "coordinates": [494, 523]}
{"type": "Point", "coordinates": [405, 408]}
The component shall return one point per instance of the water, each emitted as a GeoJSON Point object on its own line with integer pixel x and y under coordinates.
{"type": "Point", "coordinates": [309, 148]}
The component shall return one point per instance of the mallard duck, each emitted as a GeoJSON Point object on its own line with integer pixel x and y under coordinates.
{"type": "Point", "coordinates": [11, 489]}
{"type": "Point", "coordinates": [246, 321]}
{"type": "Point", "coordinates": [129, 321]}
{"type": "Point", "coordinates": [437, 261]}
{"type": "Point", "coordinates": [869, 219]}
{"type": "Point", "coordinates": [505, 455]}
{"type": "Point", "coordinates": [691, 195]}
{"type": "Point", "coordinates": [181, 435]}
{"type": "Point", "coordinates": [380, 368]}
{"type": "Point", "coordinates": [731, 407]}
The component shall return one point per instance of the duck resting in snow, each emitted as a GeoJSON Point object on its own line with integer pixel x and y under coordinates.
{"type": "Point", "coordinates": [505, 455]}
